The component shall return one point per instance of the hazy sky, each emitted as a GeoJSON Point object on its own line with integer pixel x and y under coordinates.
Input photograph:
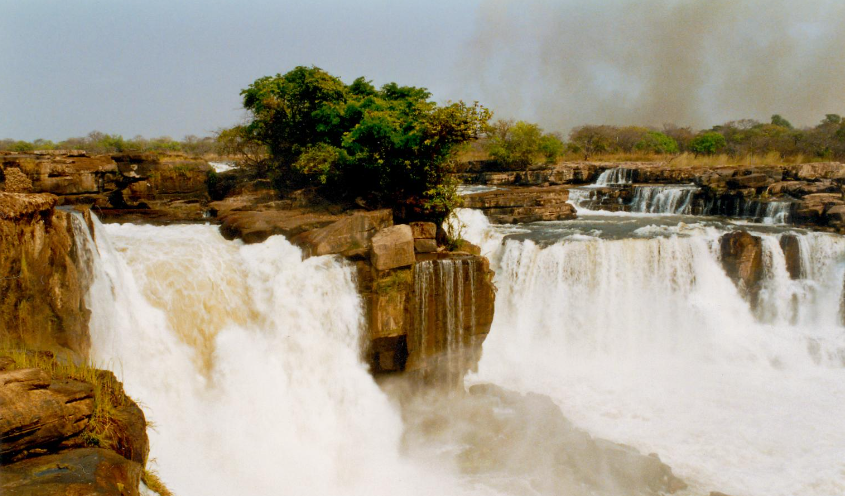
{"type": "Point", "coordinates": [168, 67]}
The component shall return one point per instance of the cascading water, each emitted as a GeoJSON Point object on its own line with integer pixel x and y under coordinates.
{"type": "Point", "coordinates": [615, 176]}
{"type": "Point", "coordinates": [664, 199]}
{"type": "Point", "coordinates": [246, 360]}
{"type": "Point", "coordinates": [445, 312]}
{"type": "Point", "coordinates": [643, 339]}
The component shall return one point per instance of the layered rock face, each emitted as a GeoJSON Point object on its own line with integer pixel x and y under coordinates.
{"type": "Point", "coordinates": [532, 204]}
{"type": "Point", "coordinates": [429, 318]}
{"type": "Point", "coordinates": [742, 259]}
{"type": "Point", "coordinates": [42, 278]}
{"type": "Point", "coordinates": [126, 186]}
{"type": "Point", "coordinates": [49, 429]}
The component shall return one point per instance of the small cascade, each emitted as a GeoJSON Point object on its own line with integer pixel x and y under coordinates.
{"type": "Point", "coordinates": [445, 317]}
{"type": "Point", "coordinates": [664, 199]}
{"type": "Point", "coordinates": [615, 176]}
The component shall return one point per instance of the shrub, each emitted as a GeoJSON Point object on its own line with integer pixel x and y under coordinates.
{"type": "Point", "coordinates": [656, 142]}
{"type": "Point", "coordinates": [707, 143]}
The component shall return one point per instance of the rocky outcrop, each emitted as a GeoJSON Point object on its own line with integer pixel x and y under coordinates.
{"type": "Point", "coordinates": [429, 319]}
{"type": "Point", "coordinates": [516, 205]}
{"type": "Point", "coordinates": [52, 441]}
{"type": "Point", "coordinates": [742, 259]}
{"type": "Point", "coordinates": [121, 186]}
{"type": "Point", "coordinates": [791, 248]}
{"type": "Point", "coordinates": [43, 280]}
{"type": "Point", "coordinates": [39, 412]}
{"type": "Point", "coordinates": [87, 471]}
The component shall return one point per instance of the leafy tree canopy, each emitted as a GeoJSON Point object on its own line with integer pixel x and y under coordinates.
{"type": "Point", "coordinates": [657, 142]}
{"type": "Point", "coordinates": [390, 146]}
{"type": "Point", "coordinates": [519, 144]}
{"type": "Point", "coordinates": [707, 143]}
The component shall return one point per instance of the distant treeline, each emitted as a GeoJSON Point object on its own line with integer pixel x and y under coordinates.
{"type": "Point", "coordinates": [522, 143]}
{"type": "Point", "coordinates": [99, 143]}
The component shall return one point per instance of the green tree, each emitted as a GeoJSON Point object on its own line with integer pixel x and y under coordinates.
{"type": "Point", "coordinates": [593, 139]}
{"type": "Point", "coordinates": [707, 143]}
{"type": "Point", "coordinates": [390, 146]}
{"type": "Point", "coordinates": [777, 120]}
{"type": "Point", "coordinates": [22, 146]}
{"type": "Point", "coordinates": [657, 142]}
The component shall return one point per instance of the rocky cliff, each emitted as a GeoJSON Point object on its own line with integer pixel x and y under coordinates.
{"type": "Point", "coordinates": [128, 186]}
{"type": "Point", "coordinates": [43, 279]}
{"type": "Point", "coordinates": [67, 429]}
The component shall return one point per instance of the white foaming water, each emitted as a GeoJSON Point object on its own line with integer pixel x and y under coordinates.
{"type": "Point", "coordinates": [221, 166]}
{"type": "Point", "coordinates": [664, 199]}
{"type": "Point", "coordinates": [617, 175]}
{"type": "Point", "coordinates": [246, 359]}
{"type": "Point", "coordinates": [646, 341]}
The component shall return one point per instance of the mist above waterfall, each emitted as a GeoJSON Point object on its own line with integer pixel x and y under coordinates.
{"type": "Point", "coordinates": [652, 62]}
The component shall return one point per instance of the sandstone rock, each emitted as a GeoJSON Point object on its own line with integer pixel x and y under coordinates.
{"type": "Point", "coordinates": [424, 230]}
{"type": "Point", "coordinates": [821, 170]}
{"type": "Point", "coordinates": [393, 247]}
{"type": "Point", "coordinates": [425, 245]}
{"type": "Point", "coordinates": [256, 226]}
{"type": "Point", "coordinates": [742, 259]}
{"type": "Point", "coordinates": [749, 181]}
{"type": "Point", "coordinates": [467, 247]}
{"type": "Point", "coordinates": [37, 411]}
{"type": "Point", "coordinates": [835, 215]}
{"type": "Point", "coordinates": [523, 204]}
{"type": "Point", "coordinates": [792, 253]}
{"type": "Point", "coordinates": [17, 181]}
{"type": "Point", "coordinates": [89, 471]}
{"type": "Point", "coordinates": [43, 280]}
{"type": "Point", "coordinates": [350, 235]}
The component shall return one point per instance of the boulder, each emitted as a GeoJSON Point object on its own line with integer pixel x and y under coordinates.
{"type": "Point", "coordinates": [742, 259]}
{"type": "Point", "coordinates": [37, 411]}
{"type": "Point", "coordinates": [87, 471]}
{"type": "Point", "coordinates": [348, 236]}
{"type": "Point", "coordinates": [835, 215]}
{"type": "Point", "coordinates": [424, 230]}
{"type": "Point", "coordinates": [425, 245]}
{"type": "Point", "coordinates": [467, 247]}
{"type": "Point", "coordinates": [821, 170]}
{"type": "Point", "coordinates": [393, 247]}
{"type": "Point", "coordinates": [517, 205]}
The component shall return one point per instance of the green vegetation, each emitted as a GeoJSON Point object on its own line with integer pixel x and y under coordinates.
{"type": "Point", "coordinates": [97, 142]}
{"type": "Point", "coordinates": [390, 146]}
{"type": "Point", "coordinates": [520, 144]}
{"type": "Point", "coordinates": [108, 391]}
{"type": "Point", "coordinates": [656, 142]}
{"type": "Point", "coordinates": [707, 143]}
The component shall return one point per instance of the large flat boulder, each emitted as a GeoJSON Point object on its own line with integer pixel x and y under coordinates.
{"type": "Point", "coordinates": [348, 236]}
{"type": "Point", "coordinates": [78, 472]}
{"type": "Point", "coordinates": [37, 411]}
{"type": "Point", "coordinates": [517, 205]}
{"type": "Point", "coordinates": [393, 247]}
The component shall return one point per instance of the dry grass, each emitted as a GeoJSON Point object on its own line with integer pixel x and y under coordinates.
{"type": "Point", "coordinates": [154, 483]}
{"type": "Point", "coordinates": [108, 391]}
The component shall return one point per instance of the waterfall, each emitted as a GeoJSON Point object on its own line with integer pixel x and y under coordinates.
{"type": "Point", "coordinates": [646, 341]}
{"type": "Point", "coordinates": [664, 199]}
{"type": "Point", "coordinates": [246, 360]}
{"type": "Point", "coordinates": [445, 313]}
{"type": "Point", "coordinates": [615, 176]}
